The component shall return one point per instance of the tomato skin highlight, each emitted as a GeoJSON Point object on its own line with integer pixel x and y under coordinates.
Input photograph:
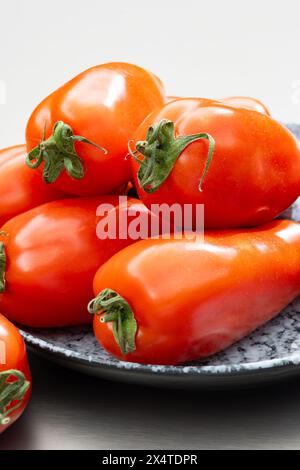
{"type": "Point", "coordinates": [21, 189]}
{"type": "Point", "coordinates": [104, 104]}
{"type": "Point", "coordinates": [235, 101]}
{"type": "Point", "coordinates": [52, 254]}
{"type": "Point", "coordinates": [255, 170]}
{"type": "Point", "coordinates": [16, 359]}
{"type": "Point", "coordinates": [211, 294]}
{"type": "Point", "coordinates": [246, 102]}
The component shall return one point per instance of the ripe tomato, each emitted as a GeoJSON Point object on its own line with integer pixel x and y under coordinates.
{"type": "Point", "coordinates": [15, 378]}
{"type": "Point", "coordinates": [101, 107]}
{"type": "Point", "coordinates": [242, 165]}
{"type": "Point", "coordinates": [211, 294]}
{"type": "Point", "coordinates": [20, 188]}
{"type": "Point", "coordinates": [50, 254]}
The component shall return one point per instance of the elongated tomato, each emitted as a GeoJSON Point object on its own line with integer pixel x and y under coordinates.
{"type": "Point", "coordinates": [180, 300]}
{"type": "Point", "coordinates": [242, 165]}
{"type": "Point", "coordinates": [49, 256]}
{"type": "Point", "coordinates": [21, 189]}
{"type": "Point", "coordinates": [78, 135]}
{"type": "Point", "coordinates": [15, 377]}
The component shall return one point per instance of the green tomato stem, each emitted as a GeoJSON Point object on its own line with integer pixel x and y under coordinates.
{"type": "Point", "coordinates": [58, 154]}
{"type": "Point", "coordinates": [116, 310]}
{"type": "Point", "coordinates": [161, 150]}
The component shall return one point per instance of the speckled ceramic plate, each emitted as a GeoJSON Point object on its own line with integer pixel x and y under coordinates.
{"type": "Point", "coordinates": [270, 353]}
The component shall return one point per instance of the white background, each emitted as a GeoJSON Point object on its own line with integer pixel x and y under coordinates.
{"type": "Point", "coordinates": [210, 48]}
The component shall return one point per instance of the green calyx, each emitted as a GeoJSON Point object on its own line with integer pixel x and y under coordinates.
{"type": "Point", "coordinates": [161, 150]}
{"type": "Point", "coordinates": [2, 267]}
{"type": "Point", "coordinates": [114, 308]}
{"type": "Point", "coordinates": [10, 392]}
{"type": "Point", "coordinates": [59, 154]}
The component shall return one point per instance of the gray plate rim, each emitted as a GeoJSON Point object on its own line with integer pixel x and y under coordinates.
{"type": "Point", "coordinates": [241, 369]}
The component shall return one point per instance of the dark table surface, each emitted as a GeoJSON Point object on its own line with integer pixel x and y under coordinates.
{"type": "Point", "coordinates": [73, 411]}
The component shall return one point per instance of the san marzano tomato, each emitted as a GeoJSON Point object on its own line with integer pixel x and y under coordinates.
{"type": "Point", "coordinates": [241, 164]}
{"type": "Point", "coordinates": [50, 254]}
{"type": "Point", "coordinates": [98, 109]}
{"type": "Point", "coordinates": [179, 300]}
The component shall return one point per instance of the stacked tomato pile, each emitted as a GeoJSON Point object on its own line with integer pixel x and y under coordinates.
{"type": "Point", "coordinates": [162, 300]}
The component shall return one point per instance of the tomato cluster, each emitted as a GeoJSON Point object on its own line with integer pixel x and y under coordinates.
{"type": "Point", "coordinates": [112, 131]}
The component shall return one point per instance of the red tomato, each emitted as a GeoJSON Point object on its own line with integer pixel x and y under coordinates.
{"type": "Point", "coordinates": [101, 107]}
{"type": "Point", "coordinates": [20, 188]}
{"type": "Point", "coordinates": [50, 256]}
{"type": "Point", "coordinates": [180, 300]}
{"type": "Point", "coordinates": [15, 378]}
{"type": "Point", "coordinates": [249, 173]}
